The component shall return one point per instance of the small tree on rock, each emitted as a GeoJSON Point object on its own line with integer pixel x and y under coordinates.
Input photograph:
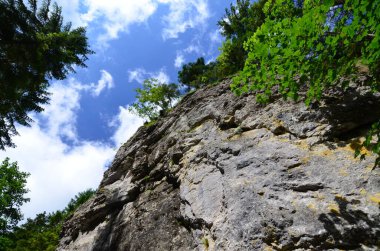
{"type": "Point", "coordinates": [154, 99]}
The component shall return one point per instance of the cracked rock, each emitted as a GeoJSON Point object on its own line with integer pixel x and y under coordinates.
{"type": "Point", "coordinates": [221, 172]}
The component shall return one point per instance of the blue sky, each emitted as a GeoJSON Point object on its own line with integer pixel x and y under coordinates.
{"type": "Point", "coordinates": [70, 144]}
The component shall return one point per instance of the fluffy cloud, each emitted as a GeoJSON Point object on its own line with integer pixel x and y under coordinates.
{"type": "Point", "coordinates": [70, 12]}
{"type": "Point", "coordinates": [59, 116]}
{"type": "Point", "coordinates": [105, 82]}
{"type": "Point", "coordinates": [179, 60]}
{"type": "Point", "coordinates": [140, 74]}
{"type": "Point", "coordinates": [184, 14]}
{"type": "Point", "coordinates": [126, 124]}
{"type": "Point", "coordinates": [60, 168]}
{"type": "Point", "coordinates": [58, 171]}
{"type": "Point", "coordinates": [215, 37]}
{"type": "Point", "coordinates": [117, 15]}
{"type": "Point", "coordinates": [194, 48]}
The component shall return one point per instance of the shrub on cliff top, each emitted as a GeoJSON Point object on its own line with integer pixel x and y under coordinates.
{"type": "Point", "coordinates": [154, 98]}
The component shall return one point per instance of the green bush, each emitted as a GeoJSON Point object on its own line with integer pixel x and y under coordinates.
{"type": "Point", "coordinates": [316, 45]}
{"type": "Point", "coordinates": [154, 98]}
{"type": "Point", "coordinates": [12, 195]}
{"type": "Point", "coordinates": [42, 232]}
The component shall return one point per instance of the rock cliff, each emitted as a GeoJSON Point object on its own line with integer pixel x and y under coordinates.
{"type": "Point", "coordinates": [222, 172]}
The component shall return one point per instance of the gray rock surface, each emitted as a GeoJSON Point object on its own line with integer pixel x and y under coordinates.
{"type": "Point", "coordinates": [222, 172]}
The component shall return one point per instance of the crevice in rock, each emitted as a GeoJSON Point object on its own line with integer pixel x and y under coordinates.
{"type": "Point", "coordinates": [173, 180]}
{"type": "Point", "coordinates": [294, 165]}
{"type": "Point", "coordinates": [243, 163]}
{"type": "Point", "coordinates": [184, 201]}
{"type": "Point", "coordinates": [230, 150]}
{"type": "Point", "coordinates": [215, 163]}
{"type": "Point", "coordinates": [354, 132]}
{"type": "Point", "coordinates": [141, 172]}
{"type": "Point", "coordinates": [193, 224]}
{"type": "Point", "coordinates": [279, 130]}
{"type": "Point", "coordinates": [103, 241]}
{"type": "Point", "coordinates": [227, 123]}
{"type": "Point", "coordinates": [176, 157]}
{"type": "Point", "coordinates": [303, 188]}
{"type": "Point", "coordinates": [202, 120]}
{"type": "Point", "coordinates": [218, 166]}
{"type": "Point", "coordinates": [158, 175]}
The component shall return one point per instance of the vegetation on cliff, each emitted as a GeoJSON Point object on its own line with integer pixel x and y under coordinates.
{"type": "Point", "coordinates": [154, 98]}
{"type": "Point", "coordinates": [238, 24]}
{"type": "Point", "coordinates": [42, 232]}
{"type": "Point", "coordinates": [314, 46]}
{"type": "Point", "coordinates": [287, 46]}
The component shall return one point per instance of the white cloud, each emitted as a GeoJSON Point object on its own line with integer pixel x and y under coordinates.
{"type": "Point", "coordinates": [179, 60]}
{"type": "Point", "coordinates": [184, 14]}
{"type": "Point", "coordinates": [117, 15]}
{"type": "Point", "coordinates": [136, 75]}
{"type": "Point", "coordinates": [161, 76]}
{"type": "Point", "coordinates": [194, 48]}
{"type": "Point", "coordinates": [70, 12]}
{"type": "Point", "coordinates": [215, 37]}
{"type": "Point", "coordinates": [59, 170]}
{"type": "Point", "coordinates": [140, 74]}
{"type": "Point", "coordinates": [105, 82]}
{"type": "Point", "coordinates": [127, 124]}
{"type": "Point", "coordinates": [60, 114]}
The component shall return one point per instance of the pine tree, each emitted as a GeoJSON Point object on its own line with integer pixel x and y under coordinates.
{"type": "Point", "coordinates": [35, 47]}
{"type": "Point", "coordinates": [237, 25]}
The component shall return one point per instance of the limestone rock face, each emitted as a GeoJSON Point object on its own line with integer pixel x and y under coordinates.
{"type": "Point", "coordinates": [222, 172]}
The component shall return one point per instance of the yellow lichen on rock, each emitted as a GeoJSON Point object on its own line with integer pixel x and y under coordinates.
{"type": "Point", "coordinates": [375, 198]}
{"type": "Point", "coordinates": [341, 198]}
{"type": "Point", "coordinates": [312, 207]}
{"type": "Point", "coordinates": [343, 171]}
{"type": "Point", "coordinates": [334, 208]}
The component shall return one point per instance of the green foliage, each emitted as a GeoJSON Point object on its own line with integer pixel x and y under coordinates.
{"type": "Point", "coordinates": [78, 200]}
{"type": "Point", "coordinates": [42, 232]}
{"type": "Point", "coordinates": [238, 24]}
{"type": "Point", "coordinates": [154, 98]}
{"type": "Point", "coordinates": [198, 74]}
{"type": "Point", "coordinates": [12, 192]}
{"type": "Point", "coordinates": [231, 58]}
{"type": "Point", "coordinates": [316, 45]}
{"type": "Point", "coordinates": [35, 46]}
